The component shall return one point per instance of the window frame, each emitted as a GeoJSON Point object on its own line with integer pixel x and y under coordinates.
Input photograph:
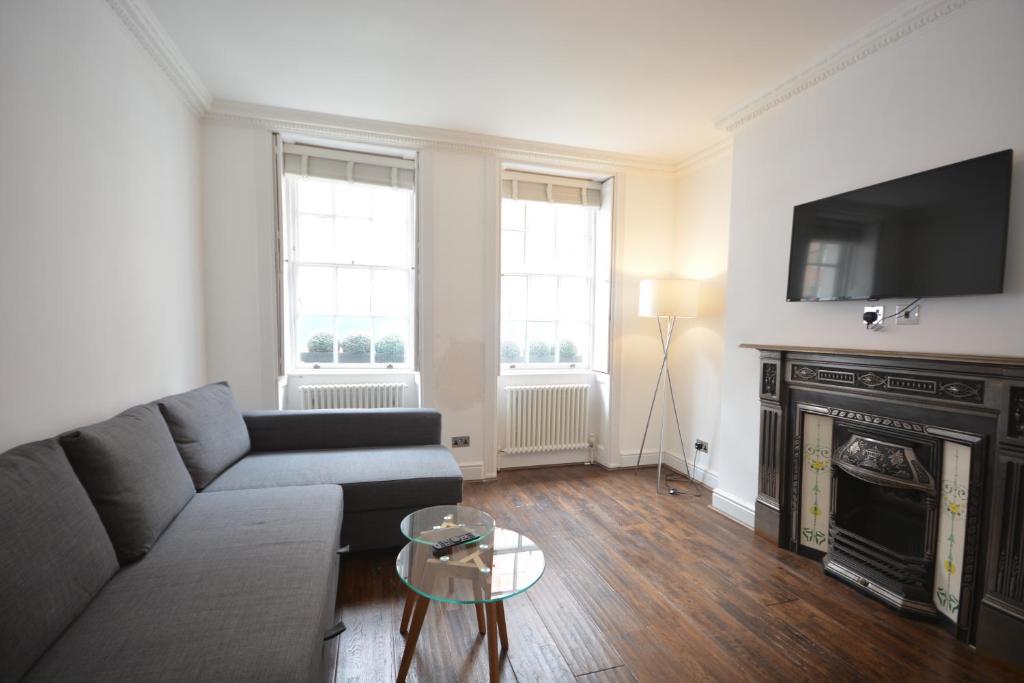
{"type": "Point", "coordinates": [527, 367]}
{"type": "Point", "coordinates": [290, 238]}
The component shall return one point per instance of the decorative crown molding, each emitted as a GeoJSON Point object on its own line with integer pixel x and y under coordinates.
{"type": "Point", "coordinates": [891, 28]}
{"type": "Point", "coordinates": [367, 131]}
{"type": "Point", "coordinates": [140, 20]}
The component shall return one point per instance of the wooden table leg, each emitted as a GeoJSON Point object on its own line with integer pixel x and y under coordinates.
{"type": "Point", "coordinates": [418, 613]}
{"type": "Point", "coordinates": [492, 641]}
{"type": "Point", "coordinates": [480, 618]}
{"type": "Point", "coordinates": [502, 630]}
{"type": "Point", "coordinates": [410, 600]}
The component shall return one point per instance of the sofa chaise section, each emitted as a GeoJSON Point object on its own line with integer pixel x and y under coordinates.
{"type": "Point", "coordinates": [389, 463]}
{"type": "Point", "coordinates": [241, 586]}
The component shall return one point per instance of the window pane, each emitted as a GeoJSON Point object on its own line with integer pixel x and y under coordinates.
{"type": "Point", "coordinates": [353, 235]}
{"type": "Point", "coordinates": [572, 342]}
{"type": "Point", "coordinates": [314, 291]}
{"type": "Point", "coordinates": [540, 251]}
{"type": "Point", "coordinates": [354, 291]}
{"type": "Point", "coordinates": [540, 339]}
{"type": "Point", "coordinates": [513, 297]}
{"type": "Point", "coordinates": [392, 207]}
{"type": "Point", "coordinates": [390, 243]}
{"type": "Point", "coordinates": [573, 299]}
{"type": "Point", "coordinates": [315, 239]}
{"type": "Point", "coordinates": [513, 214]}
{"type": "Point", "coordinates": [571, 219]}
{"type": "Point", "coordinates": [513, 342]}
{"type": "Point", "coordinates": [512, 250]}
{"type": "Point", "coordinates": [314, 196]}
{"type": "Point", "coordinates": [391, 293]}
{"type": "Point", "coordinates": [571, 254]}
{"type": "Point", "coordinates": [354, 200]}
{"type": "Point", "coordinates": [390, 340]}
{"type": "Point", "coordinates": [542, 303]}
{"type": "Point", "coordinates": [315, 338]}
{"type": "Point", "coordinates": [354, 335]}
{"type": "Point", "coordinates": [540, 216]}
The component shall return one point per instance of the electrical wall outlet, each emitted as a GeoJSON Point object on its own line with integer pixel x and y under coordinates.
{"type": "Point", "coordinates": [911, 316]}
{"type": "Point", "coordinates": [460, 441]}
{"type": "Point", "coordinates": [880, 320]}
{"type": "Point", "coordinates": [701, 446]}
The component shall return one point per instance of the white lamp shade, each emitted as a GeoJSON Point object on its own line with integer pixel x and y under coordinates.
{"type": "Point", "coordinates": [670, 298]}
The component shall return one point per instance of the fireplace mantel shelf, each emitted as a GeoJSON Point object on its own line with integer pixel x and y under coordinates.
{"type": "Point", "coordinates": [875, 353]}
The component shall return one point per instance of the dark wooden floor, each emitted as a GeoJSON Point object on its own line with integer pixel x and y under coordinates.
{"type": "Point", "coordinates": [645, 588]}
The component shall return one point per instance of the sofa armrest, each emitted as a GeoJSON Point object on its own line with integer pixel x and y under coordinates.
{"type": "Point", "coordinates": [293, 430]}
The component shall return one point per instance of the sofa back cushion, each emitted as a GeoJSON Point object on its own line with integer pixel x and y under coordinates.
{"type": "Point", "coordinates": [134, 476]}
{"type": "Point", "coordinates": [54, 557]}
{"type": "Point", "coordinates": [208, 429]}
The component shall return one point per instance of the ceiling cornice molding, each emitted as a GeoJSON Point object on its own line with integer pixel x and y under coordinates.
{"type": "Point", "coordinates": [700, 159]}
{"type": "Point", "coordinates": [147, 29]}
{"type": "Point", "coordinates": [349, 129]}
{"type": "Point", "coordinates": [891, 28]}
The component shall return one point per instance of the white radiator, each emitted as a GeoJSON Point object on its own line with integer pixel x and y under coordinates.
{"type": "Point", "coordinates": [546, 418]}
{"type": "Point", "coordinates": [381, 395]}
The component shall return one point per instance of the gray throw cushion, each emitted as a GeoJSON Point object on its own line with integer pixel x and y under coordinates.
{"type": "Point", "coordinates": [373, 478]}
{"type": "Point", "coordinates": [134, 476]}
{"type": "Point", "coordinates": [54, 553]}
{"type": "Point", "coordinates": [239, 588]}
{"type": "Point", "coordinates": [208, 429]}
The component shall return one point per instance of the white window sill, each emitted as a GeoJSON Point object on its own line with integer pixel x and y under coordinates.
{"type": "Point", "coordinates": [299, 372]}
{"type": "Point", "coordinates": [519, 372]}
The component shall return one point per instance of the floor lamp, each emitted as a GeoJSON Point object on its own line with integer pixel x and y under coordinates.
{"type": "Point", "coordinates": [670, 299]}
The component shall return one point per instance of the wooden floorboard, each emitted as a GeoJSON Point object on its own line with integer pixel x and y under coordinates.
{"type": "Point", "coordinates": [641, 588]}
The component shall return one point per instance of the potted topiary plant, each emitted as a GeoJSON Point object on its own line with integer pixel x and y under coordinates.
{"type": "Point", "coordinates": [568, 353]}
{"type": "Point", "coordinates": [511, 353]}
{"type": "Point", "coordinates": [390, 349]}
{"type": "Point", "coordinates": [541, 352]}
{"type": "Point", "coordinates": [320, 349]}
{"type": "Point", "coordinates": [355, 348]}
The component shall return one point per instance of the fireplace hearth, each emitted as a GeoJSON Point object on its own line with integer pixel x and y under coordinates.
{"type": "Point", "coordinates": [904, 474]}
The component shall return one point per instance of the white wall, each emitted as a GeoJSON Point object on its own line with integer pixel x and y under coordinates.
{"type": "Point", "coordinates": [458, 234]}
{"type": "Point", "coordinates": [947, 93]}
{"type": "Point", "coordinates": [100, 264]}
{"type": "Point", "coordinates": [703, 194]}
{"type": "Point", "coordinates": [240, 291]}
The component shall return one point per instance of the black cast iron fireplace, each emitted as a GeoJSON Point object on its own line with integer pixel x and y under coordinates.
{"type": "Point", "coordinates": [883, 519]}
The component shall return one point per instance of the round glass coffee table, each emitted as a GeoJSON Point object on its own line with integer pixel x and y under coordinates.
{"type": "Point", "coordinates": [444, 521]}
{"type": "Point", "coordinates": [484, 573]}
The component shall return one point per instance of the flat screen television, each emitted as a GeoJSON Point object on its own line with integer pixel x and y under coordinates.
{"type": "Point", "coordinates": [937, 233]}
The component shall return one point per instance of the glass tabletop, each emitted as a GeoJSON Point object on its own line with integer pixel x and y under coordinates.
{"type": "Point", "coordinates": [444, 521]}
{"type": "Point", "coordinates": [492, 569]}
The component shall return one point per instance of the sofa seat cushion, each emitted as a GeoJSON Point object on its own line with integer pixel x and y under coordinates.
{"type": "Point", "coordinates": [208, 430]}
{"type": "Point", "coordinates": [373, 478]}
{"type": "Point", "coordinates": [131, 469]}
{"type": "Point", "coordinates": [235, 590]}
{"type": "Point", "coordinates": [55, 554]}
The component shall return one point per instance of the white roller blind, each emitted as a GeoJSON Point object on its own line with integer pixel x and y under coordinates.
{"type": "Point", "coordinates": [357, 167]}
{"type": "Point", "coordinates": [550, 188]}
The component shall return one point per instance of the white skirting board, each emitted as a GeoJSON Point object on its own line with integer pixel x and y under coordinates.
{"type": "Point", "coordinates": [472, 471]}
{"type": "Point", "coordinates": [675, 461]}
{"type": "Point", "coordinates": [733, 507]}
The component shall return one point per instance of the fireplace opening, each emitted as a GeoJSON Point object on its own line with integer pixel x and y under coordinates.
{"type": "Point", "coordinates": [891, 517]}
{"type": "Point", "coordinates": [882, 522]}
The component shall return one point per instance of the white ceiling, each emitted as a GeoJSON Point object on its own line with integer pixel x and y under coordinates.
{"type": "Point", "coordinates": [645, 77]}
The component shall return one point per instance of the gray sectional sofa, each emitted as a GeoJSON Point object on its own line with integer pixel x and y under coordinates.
{"type": "Point", "coordinates": [183, 540]}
